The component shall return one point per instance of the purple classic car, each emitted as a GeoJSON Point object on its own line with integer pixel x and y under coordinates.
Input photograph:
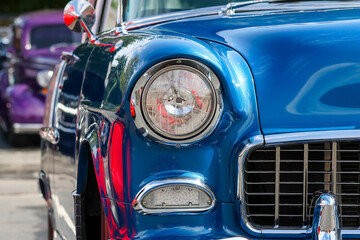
{"type": "Point", "coordinates": [37, 43]}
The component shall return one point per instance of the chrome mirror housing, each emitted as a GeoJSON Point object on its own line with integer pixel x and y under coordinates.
{"type": "Point", "coordinates": [80, 15]}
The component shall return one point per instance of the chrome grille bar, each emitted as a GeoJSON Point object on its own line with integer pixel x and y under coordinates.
{"type": "Point", "coordinates": [333, 167]}
{"type": "Point", "coordinates": [305, 182]}
{"type": "Point", "coordinates": [277, 185]}
{"type": "Point", "coordinates": [282, 181]}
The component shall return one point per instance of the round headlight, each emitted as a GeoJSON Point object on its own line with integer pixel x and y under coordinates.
{"type": "Point", "coordinates": [178, 102]}
{"type": "Point", "coordinates": [43, 78]}
{"type": "Point", "coordinates": [178, 99]}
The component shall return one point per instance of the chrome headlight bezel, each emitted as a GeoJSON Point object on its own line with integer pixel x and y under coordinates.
{"type": "Point", "coordinates": [43, 78]}
{"type": "Point", "coordinates": [144, 123]}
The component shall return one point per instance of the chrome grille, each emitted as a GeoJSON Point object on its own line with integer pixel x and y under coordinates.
{"type": "Point", "coordinates": [282, 182]}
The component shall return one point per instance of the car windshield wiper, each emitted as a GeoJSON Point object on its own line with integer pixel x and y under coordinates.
{"type": "Point", "coordinates": [230, 8]}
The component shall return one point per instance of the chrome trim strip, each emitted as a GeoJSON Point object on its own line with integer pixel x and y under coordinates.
{"type": "Point", "coordinates": [235, 238]}
{"type": "Point", "coordinates": [217, 10]}
{"type": "Point", "coordinates": [54, 96]}
{"type": "Point", "coordinates": [277, 185]}
{"type": "Point", "coordinates": [27, 128]}
{"type": "Point", "coordinates": [250, 145]}
{"type": "Point", "coordinates": [167, 17]}
{"type": "Point", "coordinates": [69, 57]}
{"type": "Point", "coordinates": [302, 233]}
{"type": "Point", "coordinates": [279, 139]}
{"type": "Point", "coordinates": [305, 182]}
{"type": "Point", "coordinates": [317, 136]}
{"type": "Point", "coordinates": [333, 167]}
{"type": "Point", "coordinates": [350, 232]}
{"type": "Point", "coordinates": [253, 143]}
{"type": "Point", "coordinates": [196, 183]}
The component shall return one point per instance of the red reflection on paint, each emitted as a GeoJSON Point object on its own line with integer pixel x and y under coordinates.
{"type": "Point", "coordinates": [120, 172]}
{"type": "Point", "coordinates": [116, 160]}
{"type": "Point", "coordinates": [99, 170]}
{"type": "Point", "coordinates": [132, 108]}
{"type": "Point", "coordinates": [111, 223]}
{"type": "Point", "coordinates": [101, 179]}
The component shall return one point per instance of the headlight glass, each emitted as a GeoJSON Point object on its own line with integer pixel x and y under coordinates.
{"type": "Point", "coordinates": [43, 78]}
{"type": "Point", "coordinates": [178, 102]}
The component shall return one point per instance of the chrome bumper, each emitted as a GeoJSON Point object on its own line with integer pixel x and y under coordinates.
{"type": "Point", "coordinates": [326, 218]}
{"type": "Point", "coordinates": [27, 128]}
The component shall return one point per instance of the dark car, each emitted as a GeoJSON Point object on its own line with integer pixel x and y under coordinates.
{"type": "Point", "coordinates": [37, 42]}
{"type": "Point", "coordinates": [207, 120]}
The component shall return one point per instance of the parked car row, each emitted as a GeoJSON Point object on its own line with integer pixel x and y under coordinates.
{"type": "Point", "coordinates": [206, 120]}
{"type": "Point", "coordinates": [36, 43]}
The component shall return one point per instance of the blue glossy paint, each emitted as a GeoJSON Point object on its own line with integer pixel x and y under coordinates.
{"type": "Point", "coordinates": [279, 72]}
{"type": "Point", "coordinates": [216, 162]}
{"type": "Point", "coordinates": [305, 64]}
{"type": "Point", "coordinates": [237, 121]}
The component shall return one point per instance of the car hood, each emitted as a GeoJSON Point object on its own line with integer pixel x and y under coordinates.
{"type": "Point", "coordinates": [305, 61]}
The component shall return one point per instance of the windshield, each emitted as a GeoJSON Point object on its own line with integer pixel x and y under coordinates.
{"type": "Point", "coordinates": [50, 35]}
{"type": "Point", "coordinates": [143, 8]}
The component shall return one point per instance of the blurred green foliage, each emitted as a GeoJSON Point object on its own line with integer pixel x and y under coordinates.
{"type": "Point", "coordinates": [11, 8]}
{"type": "Point", "coordinates": [21, 6]}
{"type": "Point", "coordinates": [5, 21]}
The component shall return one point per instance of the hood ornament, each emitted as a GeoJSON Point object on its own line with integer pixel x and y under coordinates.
{"type": "Point", "coordinates": [326, 218]}
{"type": "Point", "coordinates": [230, 8]}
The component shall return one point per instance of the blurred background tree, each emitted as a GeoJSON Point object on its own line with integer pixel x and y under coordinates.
{"type": "Point", "coordinates": [11, 8]}
{"type": "Point", "coordinates": [20, 6]}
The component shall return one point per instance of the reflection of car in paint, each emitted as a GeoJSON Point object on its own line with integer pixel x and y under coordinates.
{"type": "Point", "coordinates": [37, 43]}
{"type": "Point", "coordinates": [201, 120]}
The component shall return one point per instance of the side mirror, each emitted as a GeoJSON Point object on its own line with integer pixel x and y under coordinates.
{"type": "Point", "coordinates": [79, 15]}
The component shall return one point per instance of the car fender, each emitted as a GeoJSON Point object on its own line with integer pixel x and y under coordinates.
{"type": "Point", "coordinates": [111, 75]}
{"type": "Point", "coordinates": [23, 104]}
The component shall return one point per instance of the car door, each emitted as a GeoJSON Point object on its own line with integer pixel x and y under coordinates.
{"type": "Point", "coordinates": [65, 124]}
{"type": "Point", "coordinates": [48, 133]}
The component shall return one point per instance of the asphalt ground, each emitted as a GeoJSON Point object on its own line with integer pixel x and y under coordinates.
{"type": "Point", "coordinates": [23, 213]}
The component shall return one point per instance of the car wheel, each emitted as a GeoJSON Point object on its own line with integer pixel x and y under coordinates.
{"type": "Point", "coordinates": [94, 217]}
{"type": "Point", "coordinates": [15, 140]}
{"type": "Point", "coordinates": [3, 126]}
{"type": "Point", "coordinates": [50, 229]}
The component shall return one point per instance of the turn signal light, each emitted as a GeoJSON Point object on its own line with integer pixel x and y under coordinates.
{"type": "Point", "coordinates": [180, 197]}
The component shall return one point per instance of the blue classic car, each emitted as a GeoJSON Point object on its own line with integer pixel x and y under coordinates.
{"type": "Point", "coordinates": [206, 120]}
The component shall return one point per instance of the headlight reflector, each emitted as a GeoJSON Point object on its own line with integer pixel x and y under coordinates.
{"type": "Point", "coordinates": [44, 77]}
{"type": "Point", "coordinates": [178, 102]}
